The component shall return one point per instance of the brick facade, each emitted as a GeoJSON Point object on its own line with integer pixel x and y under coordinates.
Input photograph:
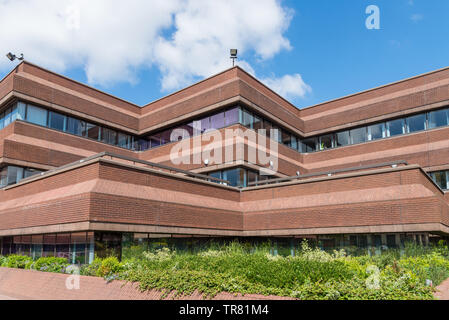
{"type": "Point", "coordinates": [116, 194]}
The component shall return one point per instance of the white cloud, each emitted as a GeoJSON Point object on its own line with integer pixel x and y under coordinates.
{"type": "Point", "coordinates": [111, 39]}
{"type": "Point", "coordinates": [288, 86]}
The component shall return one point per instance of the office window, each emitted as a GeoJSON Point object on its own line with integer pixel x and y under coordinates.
{"type": "Point", "coordinates": [15, 174]}
{"type": "Point", "coordinates": [109, 136]}
{"type": "Point", "coordinates": [377, 240]}
{"type": "Point", "coordinates": [189, 128]}
{"type": "Point", "coordinates": [286, 138]}
{"type": "Point", "coordinates": [3, 177]}
{"type": "Point", "coordinates": [276, 134]}
{"type": "Point", "coordinates": [196, 127]}
{"type": "Point", "coordinates": [236, 177]}
{"type": "Point", "coordinates": [18, 112]}
{"type": "Point", "coordinates": [326, 142]}
{"type": "Point", "coordinates": [376, 131]}
{"type": "Point", "coordinates": [294, 143]}
{"type": "Point", "coordinates": [440, 178]}
{"type": "Point", "coordinates": [395, 127]}
{"type": "Point", "coordinates": [416, 123]}
{"type": "Point", "coordinates": [308, 145]}
{"type": "Point", "coordinates": [216, 174]}
{"type": "Point", "coordinates": [155, 140]}
{"type": "Point", "coordinates": [258, 123]}
{"type": "Point", "coordinates": [7, 117]}
{"type": "Point", "coordinates": [232, 116]}
{"type": "Point", "coordinates": [28, 172]}
{"type": "Point", "coordinates": [251, 177]}
{"type": "Point", "coordinates": [217, 121]}
{"type": "Point", "coordinates": [37, 115]}
{"type": "Point", "coordinates": [391, 240]}
{"type": "Point", "coordinates": [143, 144]}
{"type": "Point", "coordinates": [75, 126]}
{"type": "Point", "coordinates": [178, 134]}
{"type": "Point", "coordinates": [267, 126]}
{"type": "Point", "coordinates": [358, 135]}
{"type": "Point", "coordinates": [2, 116]}
{"type": "Point", "coordinates": [343, 139]}
{"type": "Point", "coordinates": [247, 119]}
{"type": "Point", "coordinates": [205, 124]}
{"type": "Point", "coordinates": [166, 136]}
{"type": "Point", "coordinates": [438, 118]}
{"type": "Point", "coordinates": [123, 140]}
{"type": "Point", "coordinates": [92, 131]}
{"type": "Point", "coordinates": [56, 121]}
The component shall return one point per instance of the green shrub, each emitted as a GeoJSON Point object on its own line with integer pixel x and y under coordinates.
{"type": "Point", "coordinates": [50, 264]}
{"type": "Point", "coordinates": [109, 266]}
{"type": "Point", "coordinates": [91, 269]}
{"type": "Point", "coordinates": [430, 266]}
{"type": "Point", "coordinates": [16, 261]}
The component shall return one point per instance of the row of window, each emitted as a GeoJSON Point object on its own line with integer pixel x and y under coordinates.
{"type": "Point", "coordinates": [78, 248]}
{"type": "Point", "coordinates": [240, 177]}
{"type": "Point", "coordinates": [58, 121]}
{"type": "Point", "coordinates": [441, 178]}
{"type": "Point", "coordinates": [196, 127]}
{"type": "Point", "coordinates": [415, 123]}
{"type": "Point", "coordinates": [12, 174]}
{"type": "Point", "coordinates": [234, 115]}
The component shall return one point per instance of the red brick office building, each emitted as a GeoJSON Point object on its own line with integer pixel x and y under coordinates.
{"type": "Point", "coordinates": [83, 171]}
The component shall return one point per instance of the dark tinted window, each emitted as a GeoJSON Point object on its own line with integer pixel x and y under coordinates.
{"type": "Point", "coordinates": [56, 121]}
{"type": "Point", "coordinates": [258, 123]}
{"type": "Point", "coordinates": [395, 127]}
{"type": "Point", "coordinates": [326, 142]}
{"type": "Point", "coordinates": [416, 123]}
{"type": "Point", "coordinates": [37, 115]}
{"type": "Point", "coordinates": [232, 116]}
{"type": "Point", "coordinates": [236, 177]}
{"type": "Point", "coordinates": [217, 121]}
{"type": "Point", "coordinates": [440, 179]}
{"type": "Point", "coordinates": [358, 135]}
{"type": "Point", "coordinates": [376, 131]}
{"type": "Point", "coordinates": [286, 138]}
{"type": "Point", "coordinates": [75, 126]}
{"type": "Point", "coordinates": [92, 131]}
{"type": "Point", "coordinates": [343, 138]}
{"type": "Point", "coordinates": [438, 118]}
{"type": "Point", "coordinates": [308, 145]}
{"type": "Point", "coordinates": [247, 119]}
{"type": "Point", "coordinates": [109, 136]}
{"type": "Point", "coordinates": [294, 143]}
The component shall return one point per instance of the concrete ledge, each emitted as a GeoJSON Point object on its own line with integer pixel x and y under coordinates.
{"type": "Point", "coordinates": [36, 285]}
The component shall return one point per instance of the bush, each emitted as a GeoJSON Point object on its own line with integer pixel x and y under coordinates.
{"type": "Point", "coordinates": [236, 268]}
{"type": "Point", "coordinates": [109, 266]}
{"type": "Point", "coordinates": [91, 269]}
{"type": "Point", "coordinates": [50, 264]}
{"type": "Point", "coordinates": [16, 261]}
{"type": "Point", "coordinates": [430, 266]}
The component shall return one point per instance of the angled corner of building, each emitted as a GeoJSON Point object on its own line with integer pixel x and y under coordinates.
{"type": "Point", "coordinates": [83, 171]}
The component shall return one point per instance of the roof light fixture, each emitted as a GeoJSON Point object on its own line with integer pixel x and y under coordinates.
{"type": "Point", "coordinates": [13, 57]}
{"type": "Point", "coordinates": [233, 56]}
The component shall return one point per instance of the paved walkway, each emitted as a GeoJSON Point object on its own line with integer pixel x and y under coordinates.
{"type": "Point", "coordinates": [36, 285]}
{"type": "Point", "coordinates": [442, 291]}
{"type": "Point", "coordinates": [2, 297]}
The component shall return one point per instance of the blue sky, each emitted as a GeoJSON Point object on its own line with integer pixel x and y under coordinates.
{"type": "Point", "coordinates": [309, 51]}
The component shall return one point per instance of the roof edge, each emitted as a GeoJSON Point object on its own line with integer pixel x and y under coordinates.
{"type": "Point", "coordinates": [377, 88]}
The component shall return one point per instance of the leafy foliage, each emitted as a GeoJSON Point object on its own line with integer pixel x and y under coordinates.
{"type": "Point", "coordinates": [236, 268]}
